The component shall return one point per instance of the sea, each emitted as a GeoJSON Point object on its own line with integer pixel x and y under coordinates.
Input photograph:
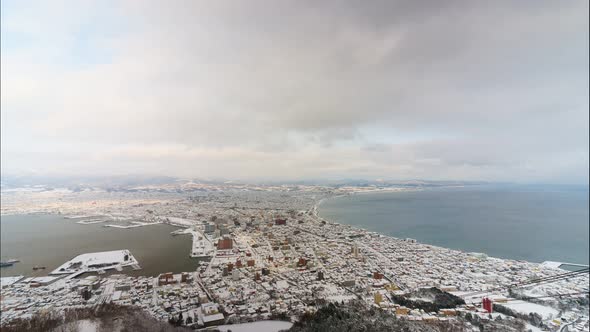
{"type": "Point", "coordinates": [522, 222]}
{"type": "Point", "coordinates": [51, 240]}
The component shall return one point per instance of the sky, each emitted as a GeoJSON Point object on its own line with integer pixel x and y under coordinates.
{"type": "Point", "coordinates": [439, 90]}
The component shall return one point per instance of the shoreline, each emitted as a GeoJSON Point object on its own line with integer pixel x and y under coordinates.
{"type": "Point", "coordinates": [545, 263]}
{"type": "Point", "coordinates": [149, 264]}
{"type": "Point", "coordinates": [297, 261]}
{"type": "Point", "coordinates": [315, 213]}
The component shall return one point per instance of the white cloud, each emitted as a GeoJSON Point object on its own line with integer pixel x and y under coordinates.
{"type": "Point", "coordinates": [495, 91]}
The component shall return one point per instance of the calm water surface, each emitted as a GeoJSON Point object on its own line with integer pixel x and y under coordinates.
{"type": "Point", "coordinates": [525, 223]}
{"type": "Point", "coordinates": [50, 240]}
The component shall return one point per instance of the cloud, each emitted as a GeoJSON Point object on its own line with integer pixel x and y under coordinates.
{"type": "Point", "coordinates": [390, 89]}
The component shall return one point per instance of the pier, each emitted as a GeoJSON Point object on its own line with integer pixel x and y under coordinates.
{"type": "Point", "coordinates": [557, 265]}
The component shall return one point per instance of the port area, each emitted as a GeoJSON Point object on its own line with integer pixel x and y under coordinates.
{"type": "Point", "coordinates": [202, 246]}
{"type": "Point", "coordinates": [98, 262]}
{"type": "Point", "coordinates": [91, 221]}
{"type": "Point", "coordinates": [132, 224]}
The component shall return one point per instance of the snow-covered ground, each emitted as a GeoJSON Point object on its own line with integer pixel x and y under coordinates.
{"type": "Point", "coordinates": [7, 281]}
{"type": "Point", "coordinates": [97, 261]}
{"type": "Point", "coordinates": [181, 221]}
{"type": "Point", "coordinates": [87, 325]}
{"type": "Point", "coordinates": [533, 328]}
{"type": "Point", "coordinates": [202, 246]}
{"type": "Point", "coordinates": [261, 326]}
{"type": "Point", "coordinates": [43, 280]}
{"type": "Point", "coordinates": [528, 307]}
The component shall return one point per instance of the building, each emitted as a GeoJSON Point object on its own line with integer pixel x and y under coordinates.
{"type": "Point", "coordinates": [209, 228]}
{"type": "Point", "coordinates": [223, 230]}
{"type": "Point", "coordinates": [209, 314]}
{"type": "Point", "coordinates": [349, 283]}
{"type": "Point", "coordinates": [378, 298]}
{"type": "Point", "coordinates": [86, 294]}
{"type": "Point", "coordinates": [235, 275]}
{"type": "Point", "coordinates": [487, 305]}
{"type": "Point", "coordinates": [166, 279]}
{"type": "Point", "coordinates": [302, 262]}
{"type": "Point", "coordinates": [280, 221]}
{"type": "Point", "coordinates": [448, 312]}
{"type": "Point", "coordinates": [402, 311]}
{"type": "Point", "coordinates": [225, 244]}
{"type": "Point", "coordinates": [185, 277]}
{"type": "Point", "coordinates": [123, 287]}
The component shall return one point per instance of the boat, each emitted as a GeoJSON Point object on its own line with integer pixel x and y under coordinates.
{"type": "Point", "coordinates": [9, 262]}
{"type": "Point", "coordinates": [38, 268]}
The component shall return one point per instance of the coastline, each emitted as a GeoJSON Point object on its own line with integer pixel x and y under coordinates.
{"type": "Point", "coordinates": [346, 261]}
{"type": "Point", "coordinates": [362, 192]}
{"type": "Point", "coordinates": [544, 263]}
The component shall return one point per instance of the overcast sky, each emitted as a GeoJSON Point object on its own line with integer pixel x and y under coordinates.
{"type": "Point", "coordinates": [442, 90]}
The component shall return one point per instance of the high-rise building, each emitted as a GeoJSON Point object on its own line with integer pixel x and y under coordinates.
{"type": "Point", "coordinates": [209, 228]}
{"type": "Point", "coordinates": [355, 250]}
{"type": "Point", "coordinates": [320, 275]}
{"type": "Point", "coordinates": [225, 244]}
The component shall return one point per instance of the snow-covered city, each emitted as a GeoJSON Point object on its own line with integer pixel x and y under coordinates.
{"type": "Point", "coordinates": [264, 254]}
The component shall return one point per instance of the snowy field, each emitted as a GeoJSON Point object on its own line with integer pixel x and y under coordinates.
{"type": "Point", "coordinates": [527, 307]}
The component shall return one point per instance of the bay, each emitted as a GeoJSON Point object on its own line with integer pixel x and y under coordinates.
{"type": "Point", "coordinates": [51, 240]}
{"type": "Point", "coordinates": [532, 223]}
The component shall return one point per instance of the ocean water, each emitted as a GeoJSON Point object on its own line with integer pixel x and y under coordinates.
{"type": "Point", "coordinates": [532, 223]}
{"type": "Point", "coordinates": [51, 240]}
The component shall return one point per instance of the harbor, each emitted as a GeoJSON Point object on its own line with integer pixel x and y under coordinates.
{"type": "Point", "coordinates": [152, 246]}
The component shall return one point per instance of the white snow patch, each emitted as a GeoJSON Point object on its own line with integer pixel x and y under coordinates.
{"type": "Point", "coordinates": [261, 326]}
{"type": "Point", "coordinates": [527, 307]}
{"type": "Point", "coordinates": [181, 221]}
{"type": "Point", "coordinates": [532, 328]}
{"type": "Point", "coordinates": [97, 261]}
{"type": "Point", "coordinates": [7, 281]}
{"type": "Point", "coordinates": [87, 326]}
